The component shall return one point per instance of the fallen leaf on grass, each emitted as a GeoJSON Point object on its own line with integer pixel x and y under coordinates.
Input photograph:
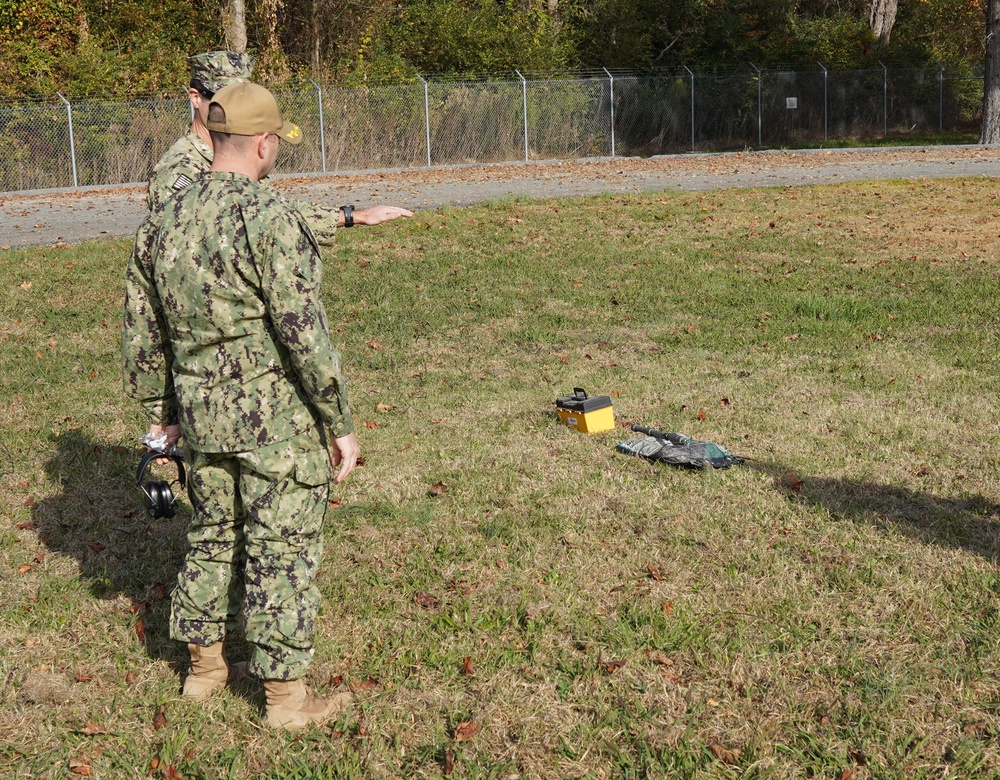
{"type": "Point", "coordinates": [83, 677]}
{"type": "Point", "coordinates": [30, 502]}
{"type": "Point", "coordinates": [467, 729]}
{"type": "Point", "coordinates": [977, 728]}
{"type": "Point", "coordinates": [437, 489]}
{"type": "Point", "coordinates": [659, 658]}
{"type": "Point", "coordinates": [96, 547]}
{"type": "Point", "coordinates": [612, 666]}
{"type": "Point", "coordinates": [383, 408]}
{"type": "Point", "coordinates": [160, 721]}
{"type": "Point", "coordinates": [79, 766]}
{"type": "Point", "coordinates": [653, 571]}
{"type": "Point", "coordinates": [449, 762]}
{"type": "Point", "coordinates": [365, 685]}
{"type": "Point", "coordinates": [792, 482]}
{"type": "Point", "coordinates": [334, 503]}
{"type": "Point", "coordinates": [91, 729]}
{"type": "Point", "coordinates": [858, 756]}
{"type": "Point", "coordinates": [426, 600]}
{"type": "Point", "coordinates": [847, 774]}
{"type": "Point", "coordinates": [170, 772]}
{"type": "Point", "coordinates": [702, 416]}
{"type": "Point", "coordinates": [140, 631]}
{"type": "Point", "coordinates": [468, 667]}
{"type": "Point", "coordinates": [724, 754]}
{"type": "Point", "coordinates": [26, 526]}
{"type": "Point", "coordinates": [371, 424]}
{"type": "Point", "coordinates": [25, 568]}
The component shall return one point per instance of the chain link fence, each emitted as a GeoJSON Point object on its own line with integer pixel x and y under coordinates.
{"type": "Point", "coordinates": [82, 143]}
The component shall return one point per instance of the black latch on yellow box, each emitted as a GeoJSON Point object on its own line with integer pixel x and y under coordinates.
{"type": "Point", "coordinates": [590, 415]}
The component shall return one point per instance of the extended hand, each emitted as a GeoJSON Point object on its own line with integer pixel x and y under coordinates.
{"type": "Point", "coordinates": [376, 215]}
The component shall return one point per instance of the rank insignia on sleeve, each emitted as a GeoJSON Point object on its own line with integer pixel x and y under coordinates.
{"type": "Point", "coordinates": [182, 182]}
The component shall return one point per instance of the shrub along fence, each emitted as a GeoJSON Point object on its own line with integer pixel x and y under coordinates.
{"type": "Point", "coordinates": [514, 118]}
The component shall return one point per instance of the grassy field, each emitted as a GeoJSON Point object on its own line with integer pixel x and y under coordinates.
{"type": "Point", "coordinates": [507, 597]}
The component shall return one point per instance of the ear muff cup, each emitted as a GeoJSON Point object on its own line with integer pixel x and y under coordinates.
{"type": "Point", "coordinates": [160, 501]}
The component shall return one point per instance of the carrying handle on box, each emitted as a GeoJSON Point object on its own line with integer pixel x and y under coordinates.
{"type": "Point", "coordinates": [579, 393]}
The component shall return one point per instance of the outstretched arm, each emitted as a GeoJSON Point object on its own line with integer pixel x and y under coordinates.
{"type": "Point", "coordinates": [376, 215]}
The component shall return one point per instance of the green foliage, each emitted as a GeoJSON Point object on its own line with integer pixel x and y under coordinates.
{"type": "Point", "coordinates": [128, 47]}
{"type": "Point", "coordinates": [99, 46]}
{"type": "Point", "coordinates": [466, 36]}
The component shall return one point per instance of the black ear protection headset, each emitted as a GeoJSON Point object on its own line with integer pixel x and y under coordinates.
{"type": "Point", "coordinates": [160, 501]}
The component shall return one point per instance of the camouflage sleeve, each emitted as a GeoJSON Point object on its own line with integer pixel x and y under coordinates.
{"type": "Point", "coordinates": [322, 220]}
{"type": "Point", "coordinates": [145, 348]}
{"type": "Point", "coordinates": [292, 270]}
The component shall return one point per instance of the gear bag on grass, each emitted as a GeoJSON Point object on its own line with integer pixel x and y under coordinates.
{"type": "Point", "coordinates": [677, 449]}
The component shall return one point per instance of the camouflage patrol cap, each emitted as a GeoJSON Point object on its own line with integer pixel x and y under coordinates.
{"type": "Point", "coordinates": [213, 70]}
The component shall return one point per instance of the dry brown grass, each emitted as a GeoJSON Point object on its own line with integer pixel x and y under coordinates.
{"type": "Point", "coordinates": [826, 610]}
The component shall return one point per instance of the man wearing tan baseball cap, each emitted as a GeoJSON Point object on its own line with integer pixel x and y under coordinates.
{"type": "Point", "coordinates": [226, 346]}
{"type": "Point", "coordinates": [191, 155]}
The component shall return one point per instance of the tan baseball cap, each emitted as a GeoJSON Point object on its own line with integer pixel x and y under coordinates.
{"type": "Point", "coordinates": [252, 110]}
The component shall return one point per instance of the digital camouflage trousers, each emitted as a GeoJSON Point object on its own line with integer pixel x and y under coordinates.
{"type": "Point", "coordinates": [255, 547]}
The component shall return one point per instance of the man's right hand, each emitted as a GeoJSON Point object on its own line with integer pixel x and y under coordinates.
{"type": "Point", "coordinates": [344, 453]}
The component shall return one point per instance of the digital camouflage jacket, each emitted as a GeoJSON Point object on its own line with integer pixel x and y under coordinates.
{"type": "Point", "coordinates": [224, 330]}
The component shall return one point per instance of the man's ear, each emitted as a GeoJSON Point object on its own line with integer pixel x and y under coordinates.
{"type": "Point", "coordinates": [260, 145]}
{"type": "Point", "coordinates": [196, 97]}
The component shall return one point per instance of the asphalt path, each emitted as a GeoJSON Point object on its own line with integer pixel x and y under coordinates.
{"type": "Point", "coordinates": [69, 216]}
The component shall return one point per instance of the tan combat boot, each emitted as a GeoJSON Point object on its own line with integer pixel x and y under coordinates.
{"type": "Point", "coordinates": [209, 672]}
{"type": "Point", "coordinates": [290, 705]}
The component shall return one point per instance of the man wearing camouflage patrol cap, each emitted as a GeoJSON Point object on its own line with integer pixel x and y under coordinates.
{"type": "Point", "coordinates": [225, 343]}
{"type": "Point", "coordinates": [191, 154]}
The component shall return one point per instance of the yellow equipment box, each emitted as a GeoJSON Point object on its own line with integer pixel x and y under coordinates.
{"type": "Point", "coordinates": [590, 415]}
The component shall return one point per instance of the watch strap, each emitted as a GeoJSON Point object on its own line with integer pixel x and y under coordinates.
{"type": "Point", "coordinates": [348, 216]}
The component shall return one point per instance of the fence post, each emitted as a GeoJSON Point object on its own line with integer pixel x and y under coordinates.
{"type": "Point", "coordinates": [322, 131]}
{"type": "Point", "coordinates": [759, 103]}
{"type": "Point", "coordinates": [611, 80]}
{"type": "Point", "coordinates": [940, 97]}
{"type": "Point", "coordinates": [72, 145]}
{"type": "Point", "coordinates": [826, 101]}
{"type": "Point", "coordinates": [885, 99]}
{"type": "Point", "coordinates": [427, 119]}
{"type": "Point", "coordinates": [524, 107]}
{"type": "Point", "coordinates": [692, 105]}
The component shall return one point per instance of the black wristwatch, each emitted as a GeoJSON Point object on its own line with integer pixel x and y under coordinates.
{"type": "Point", "coordinates": [348, 215]}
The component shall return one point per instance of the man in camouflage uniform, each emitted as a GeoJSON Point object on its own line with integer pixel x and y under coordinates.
{"type": "Point", "coordinates": [191, 155]}
{"type": "Point", "coordinates": [225, 343]}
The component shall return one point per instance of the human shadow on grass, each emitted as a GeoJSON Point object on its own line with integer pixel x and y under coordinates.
{"type": "Point", "coordinates": [98, 518]}
{"type": "Point", "coordinates": [970, 522]}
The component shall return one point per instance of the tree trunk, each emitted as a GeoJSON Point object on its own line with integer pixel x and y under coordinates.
{"type": "Point", "coordinates": [235, 23]}
{"type": "Point", "coordinates": [881, 18]}
{"type": "Point", "coordinates": [989, 132]}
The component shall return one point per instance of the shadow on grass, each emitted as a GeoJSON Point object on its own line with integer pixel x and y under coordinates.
{"type": "Point", "coordinates": [98, 518]}
{"type": "Point", "coordinates": [968, 522]}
